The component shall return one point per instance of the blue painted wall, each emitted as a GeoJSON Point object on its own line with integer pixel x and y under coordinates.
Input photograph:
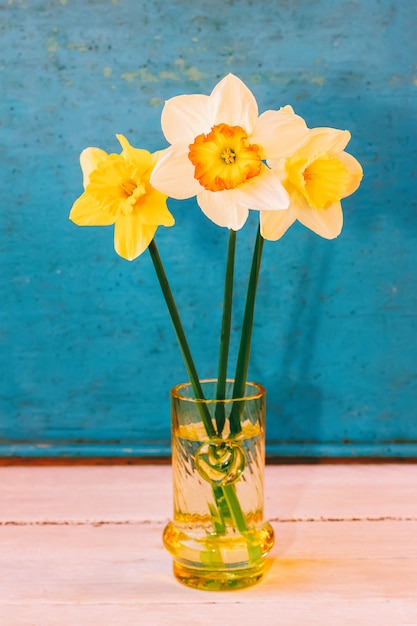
{"type": "Point", "coordinates": [87, 351]}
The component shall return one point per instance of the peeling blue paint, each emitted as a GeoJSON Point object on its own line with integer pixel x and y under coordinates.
{"type": "Point", "coordinates": [88, 355]}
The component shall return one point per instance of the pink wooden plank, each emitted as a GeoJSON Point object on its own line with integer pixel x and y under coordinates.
{"type": "Point", "coordinates": [370, 491]}
{"type": "Point", "coordinates": [119, 493]}
{"type": "Point", "coordinates": [127, 563]}
{"type": "Point", "coordinates": [82, 545]}
{"type": "Point", "coordinates": [85, 493]}
{"type": "Point", "coordinates": [316, 568]}
{"type": "Point", "coordinates": [312, 610]}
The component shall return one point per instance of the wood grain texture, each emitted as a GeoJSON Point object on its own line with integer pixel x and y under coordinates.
{"type": "Point", "coordinates": [87, 351]}
{"type": "Point", "coordinates": [83, 545]}
{"type": "Point", "coordinates": [127, 494]}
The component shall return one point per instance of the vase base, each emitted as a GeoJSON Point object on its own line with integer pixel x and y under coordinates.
{"type": "Point", "coordinates": [215, 580]}
{"type": "Point", "coordinates": [218, 562]}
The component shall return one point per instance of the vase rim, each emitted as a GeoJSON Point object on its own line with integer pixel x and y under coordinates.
{"type": "Point", "coordinates": [176, 392]}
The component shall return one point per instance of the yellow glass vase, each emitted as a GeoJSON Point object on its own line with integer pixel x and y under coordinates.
{"type": "Point", "coordinates": [218, 537]}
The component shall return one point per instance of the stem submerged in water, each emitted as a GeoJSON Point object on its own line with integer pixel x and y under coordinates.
{"type": "Point", "coordinates": [227, 502]}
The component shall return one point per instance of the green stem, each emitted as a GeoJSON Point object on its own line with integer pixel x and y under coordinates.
{"type": "Point", "coordinates": [225, 332]}
{"type": "Point", "coordinates": [182, 340]}
{"type": "Point", "coordinates": [226, 498]}
{"type": "Point", "coordinates": [239, 520]}
{"type": "Point", "coordinates": [246, 335]}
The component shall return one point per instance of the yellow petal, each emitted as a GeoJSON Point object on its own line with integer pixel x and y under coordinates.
{"type": "Point", "coordinates": [355, 170]}
{"type": "Point", "coordinates": [131, 237]}
{"type": "Point", "coordinates": [138, 155]}
{"type": "Point", "coordinates": [325, 181]}
{"type": "Point", "coordinates": [89, 159]}
{"type": "Point", "coordinates": [275, 223]}
{"type": "Point", "coordinates": [154, 211]}
{"type": "Point", "coordinates": [86, 211]}
{"type": "Point", "coordinates": [324, 222]}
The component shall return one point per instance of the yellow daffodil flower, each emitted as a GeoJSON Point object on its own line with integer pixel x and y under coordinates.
{"type": "Point", "coordinates": [218, 150]}
{"type": "Point", "coordinates": [317, 176]}
{"type": "Point", "coordinates": [118, 191]}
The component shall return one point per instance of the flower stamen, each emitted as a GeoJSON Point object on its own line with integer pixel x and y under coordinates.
{"type": "Point", "coordinates": [127, 187]}
{"type": "Point", "coordinates": [224, 158]}
{"type": "Point", "coordinates": [228, 155]}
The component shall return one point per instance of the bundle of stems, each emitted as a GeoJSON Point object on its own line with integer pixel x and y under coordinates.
{"type": "Point", "coordinates": [228, 505]}
{"type": "Point", "coordinates": [245, 338]}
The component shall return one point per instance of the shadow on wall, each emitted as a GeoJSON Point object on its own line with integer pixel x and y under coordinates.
{"type": "Point", "coordinates": [374, 254]}
{"type": "Point", "coordinates": [297, 398]}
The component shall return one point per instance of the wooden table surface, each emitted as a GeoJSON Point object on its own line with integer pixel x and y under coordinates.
{"type": "Point", "coordinates": [81, 545]}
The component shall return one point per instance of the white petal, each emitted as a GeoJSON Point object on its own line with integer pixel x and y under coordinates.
{"type": "Point", "coordinates": [222, 208]}
{"type": "Point", "coordinates": [185, 117]}
{"type": "Point", "coordinates": [263, 192]}
{"type": "Point", "coordinates": [322, 140]}
{"type": "Point", "coordinates": [173, 175]}
{"type": "Point", "coordinates": [280, 133]}
{"type": "Point", "coordinates": [324, 222]}
{"type": "Point", "coordinates": [232, 103]}
{"type": "Point", "coordinates": [275, 223]}
{"type": "Point", "coordinates": [89, 160]}
{"type": "Point", "coordinates": [279, 167]}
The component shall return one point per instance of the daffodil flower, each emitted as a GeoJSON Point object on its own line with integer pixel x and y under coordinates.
{"type": "Point", "coordinates": [218, 150]}
{"type": "Point", "coordinates": [317, 176]}
{"type": "Point", "coordinates": [118, 191]}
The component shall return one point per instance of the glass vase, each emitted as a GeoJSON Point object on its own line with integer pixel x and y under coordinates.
{"type": "Point", "coordinates": [218, 537]}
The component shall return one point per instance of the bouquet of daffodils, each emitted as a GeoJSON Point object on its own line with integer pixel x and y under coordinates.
{"type": "Point", "coordinates": [233, 160]}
